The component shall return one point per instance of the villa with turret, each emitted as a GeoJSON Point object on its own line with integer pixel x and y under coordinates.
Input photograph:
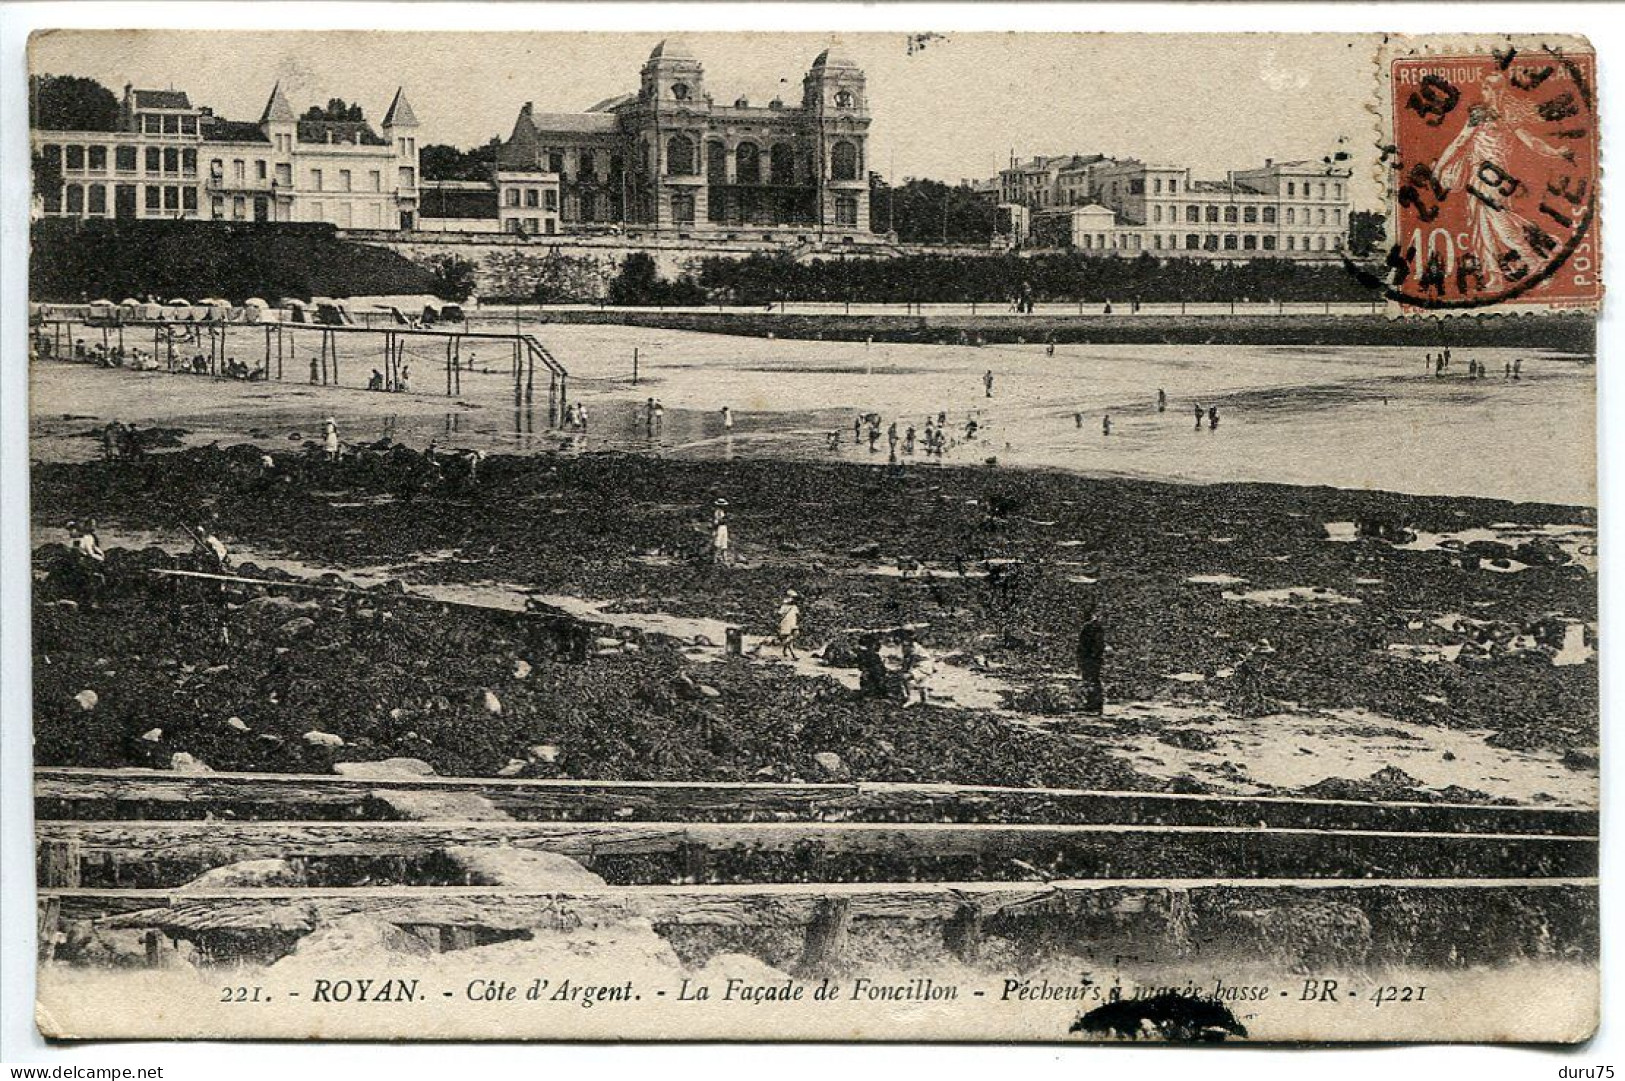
{"type": "Point", "coordinates": [671, 160]}
{"type": "Point", "coordinates": [172, 160]}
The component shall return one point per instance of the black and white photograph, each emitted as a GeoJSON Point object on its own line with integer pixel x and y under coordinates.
{"type": "Point", "coordinates": [842, 536]}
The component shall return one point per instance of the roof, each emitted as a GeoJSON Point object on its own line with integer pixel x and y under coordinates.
{"type": "Point", "coordinates": [358, 132]}
{"type": "Point", "coordinates": [576, 123]}
{"type": "Point", "coordinates": [277, 109]}
{"type": "Point", "coordinates": [400, 112]}
{"type": "Point", "coordinates": [834, 57]}
{"type": "Point", "coordinates": [233, 131]}
{"type": "Point", "coordinates": [611, 104]}
{"type": "Point", "coordinates": [161, 99]}
{"type": "Point", "coordinates": [673, 49]}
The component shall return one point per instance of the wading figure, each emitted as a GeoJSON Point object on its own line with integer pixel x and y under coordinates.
{"type": "Point", "coordinates": [1497, 235]}
{"type": "Point", "coordinates": [330, 439]}
{"type": "Point", "coordinates": [720, 554]}
{"type": "Point", "coordinates": [1091, 659]}
{"type": "Point", "coordinates": [789, 623]}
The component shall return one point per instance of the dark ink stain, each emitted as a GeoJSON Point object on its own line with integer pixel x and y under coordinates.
{"type": "Point", "coordinates": [1169, 1016]}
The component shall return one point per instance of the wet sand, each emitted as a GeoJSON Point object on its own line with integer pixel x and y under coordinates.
{"type": "Point", "coordinates": [1356, 417]}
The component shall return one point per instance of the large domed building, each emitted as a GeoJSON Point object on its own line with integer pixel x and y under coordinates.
{"type": "Point", "coordinates": [671, 159]}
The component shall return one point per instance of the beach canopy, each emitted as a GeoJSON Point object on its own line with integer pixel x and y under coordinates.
{"type": "Point", "coordinates": [255, 302]}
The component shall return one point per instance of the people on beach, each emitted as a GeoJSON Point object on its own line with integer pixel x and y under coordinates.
{"type": "Point", "coordinates": [404, 383]}
{"type": "Point", "coordinates": [727, 419]}
{"type": "Point", "coordinates": [1212, 418]}
{"type": "Point", "coordinates": [315, 370]}
{"type": "Point", "coordinates": [789, 624]}
{"type": "Point", "coordinates": [1106, 424]}
{"type": "Point", "coordinates": [971, 428]}
{"type": "Point", "coordinates": [1517, 368]}
{"type": "Point", "coordinates": [857, 428]}
{"type": "Point", "coordinates": [1091, 660]}
{"type": "Point", "coordinates": [1162, 400]}
{"type": "Point", "coordinates": [918, 667]}
{"type": "Point", "coordinates": [377, 380]}
{"type": "Point", "coordinates": [720, 553]}
{"type": "Point", "coordinates": [210, 548]}
{"type": "Point", "coordinates": [84, 541]}
{"type": "Point", "coordinates": [330, 439]}
{"type": "Point", "coordinates": [987, 383]}
{"type": "Point", "coordinates": [1198, 409]}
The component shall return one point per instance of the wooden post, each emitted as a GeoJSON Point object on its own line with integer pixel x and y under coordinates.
{"type": "Point", "coordinates": [530, 376]}
{"type": "Point", "coordinates": [634, 365]}
{"type": "Point", "coordinates": [448, 367]}
{"type": "Point", "coordinates": [826, 936]}
{"type": "Point", "coordinates": [963, 933]}
{"type": "Point", "coordinates": [58, 864]}
{"type": "Point", "coordinates": [48, 928]}
{"type": "Point", "coordinates": [457, 364]}
{"type": "Point", "coordinates": [692, 861]}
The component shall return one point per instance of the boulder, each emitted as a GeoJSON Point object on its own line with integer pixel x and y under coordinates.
{"type": "Point", "coordinates": [385, 769]}
{"type": "Point", "coordinates": [323, 739]}
{"type": "Point", "coordinates": [830, 765]}
{"type": "Point", "coordinates": [493, 704]}
{"type": "Point", "coordinates": [420, 805]}
{"type": "Point", "coordinates": [153, 735]}
{"type": "Point", "coordinates": [543, 752]}
{"type": "Point", "coordinates": [521, 668]}
{"type": "Point", "coordinates": [237, 723]}
{"type": "Point", "coordinates": [248, 874]}
{"type": "Point", "coordinates": [340, 941]}
{"type": "Point", "coordinates": [522, 868]}
{"type": "Point", "coordinates": [87, 699]}
{"type": "Point", "coordinates": [296, 627]}
{"type": "Point", "coordinates": [514, 768]}
{"type": "Point", "coordinates": [181, 762]}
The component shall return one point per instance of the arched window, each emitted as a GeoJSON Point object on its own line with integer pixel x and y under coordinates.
{"type": "Point", "coordinates": [716, 162]}
{"type": "Point", "coordinates": [843, 161]}
{"type": "Point", "coordinates": [679, 156]}
{"type": "Point", "coordinates": [782, 164]}
{"type": "Point", "coordinates": [748, 163]}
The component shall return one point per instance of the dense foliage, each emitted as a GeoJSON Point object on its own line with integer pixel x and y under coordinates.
{"type": "Point", "coordinates": [71, 103]}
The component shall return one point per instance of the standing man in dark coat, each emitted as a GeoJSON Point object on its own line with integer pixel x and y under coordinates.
{"type": "Point", "coordinates": [1091, 658]}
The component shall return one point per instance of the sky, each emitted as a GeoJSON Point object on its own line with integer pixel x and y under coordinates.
{"type": "Point", "coordinates": [956, 108]}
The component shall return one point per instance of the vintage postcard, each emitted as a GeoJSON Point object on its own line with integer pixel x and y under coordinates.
{"type": "Point", "coordinates": [871, 536]}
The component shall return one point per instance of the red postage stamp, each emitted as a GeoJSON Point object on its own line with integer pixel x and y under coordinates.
{"type": "Point", "coordinates": [1494, 171]}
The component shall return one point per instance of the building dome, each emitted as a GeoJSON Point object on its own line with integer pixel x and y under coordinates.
{"type": "Point", "coordinates": [673, 49]}
{"type": "Point", "coordinates": [834, 57]}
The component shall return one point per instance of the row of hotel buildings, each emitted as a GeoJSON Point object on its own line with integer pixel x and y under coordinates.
{"type": "Point", "coordinates": [667, 160]}
{"type": "Point", "coordinates": [1126, 206]}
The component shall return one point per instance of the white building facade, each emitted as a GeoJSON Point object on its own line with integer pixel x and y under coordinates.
{"type": "Point", "coordinates": [171, 160]}
{"type": "Point", "coordinates": [1294, 209]}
